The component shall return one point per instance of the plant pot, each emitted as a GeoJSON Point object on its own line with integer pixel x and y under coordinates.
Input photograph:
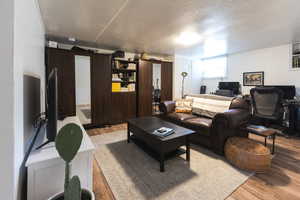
{"type": "Point", "coordinates": [85, 195]}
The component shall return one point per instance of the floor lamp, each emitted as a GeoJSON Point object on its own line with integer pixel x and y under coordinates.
{"type": "Point", "coordinates": [183, 74]}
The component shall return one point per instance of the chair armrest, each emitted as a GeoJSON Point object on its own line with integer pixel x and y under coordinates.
{"type": "Point", "coordinates": [234, 118]}
{"type": "Point", "coordinates": [167, 107]}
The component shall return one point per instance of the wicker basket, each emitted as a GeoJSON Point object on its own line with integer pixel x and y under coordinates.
{"type": "Point", "coordinates": [247, 154]}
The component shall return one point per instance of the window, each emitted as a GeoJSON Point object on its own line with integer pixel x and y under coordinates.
{"type": "Point", "coordinates": [214, 67]}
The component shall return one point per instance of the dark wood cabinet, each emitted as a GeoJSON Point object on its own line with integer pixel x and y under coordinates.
{"type": "Point", "coordinates": [64, 61]}
{"type": "Point", "coordinates": [107, 107]}
{"type": "Point", "coordinates": [145, 88]}
{"type": "Point", "coordinates": [166, 81]}
{"type": "Point", "coordinates": [101, 89]}
{"type": "Point", "coordinates": [123, 106]}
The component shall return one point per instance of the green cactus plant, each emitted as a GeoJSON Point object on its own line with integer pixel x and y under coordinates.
{"type": "Point", "coordinates": [67, 144]}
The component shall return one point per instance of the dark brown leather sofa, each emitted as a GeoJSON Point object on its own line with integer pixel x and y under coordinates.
{"type": "Point", "coordinates": [211, 133]}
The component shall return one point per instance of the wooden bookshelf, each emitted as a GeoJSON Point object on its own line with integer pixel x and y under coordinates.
{"type": "Point", "coordinates": [124, 75]}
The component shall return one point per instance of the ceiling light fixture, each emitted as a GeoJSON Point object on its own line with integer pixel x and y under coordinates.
{"type": "Point", "coordinates": [188, 38]}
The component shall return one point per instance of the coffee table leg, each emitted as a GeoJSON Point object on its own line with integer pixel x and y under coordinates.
{"type": "Point", "coordinates": [128, 135]}
{"type": "Point", "coordinates": [273, 148]}
{"type": "Point", "coordinates": [265, 141]}
{"type": "Point", "coordinates": [162, 162]}
{"type": "Point", "coordinates": [187, 149]}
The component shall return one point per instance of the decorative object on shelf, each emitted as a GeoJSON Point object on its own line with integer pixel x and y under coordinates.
{"type": "Point", "coordinates": [253, 78]}
{"type": "Point", "coordinates": [67, 143]}
{"type": "Point", "coordinates": [82, 50]}
{"type": "Point", "coordinates": [148, 57]}
{"type": "Point", "coordinates": [296, 56]}
{"type": "Point", "coordinates": [183, 74]}
{"type": "Point", "coordinates": [52, 44]}
{"type": "Point", "coordinates": [118, 54]}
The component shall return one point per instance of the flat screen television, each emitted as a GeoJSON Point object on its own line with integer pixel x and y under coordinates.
{"type": "Point", "coordinates": [32, 109]}
{"type": "Point", "coordinates": [52, 110]}
{"type": "Point", "coordinates": [233, 86]}
{"type": "Point", "coordinates": [51, 107]}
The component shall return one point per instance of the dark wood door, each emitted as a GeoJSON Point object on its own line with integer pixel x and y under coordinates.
{"type": "Point", "coordinates": [145, 88]}
{"type": "Point", "coordinates": [101, 89]}
{"type": "Point", "coordinates": [124, 106]}
{"type": "Point", "coordinates": [64, 61]}
{"type": "Point", "coordinates": [166, 81]}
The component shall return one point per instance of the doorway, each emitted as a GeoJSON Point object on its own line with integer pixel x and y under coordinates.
{"type": "Point", "coordinates": [83, 88]}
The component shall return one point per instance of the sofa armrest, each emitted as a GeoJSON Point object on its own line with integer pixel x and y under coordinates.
{"type": "Point", "coordinates": [226, 125]}
{"type": "Point", "coordinates": [167, 107]}
{"type": "Point", "coordinates": [234, 117]}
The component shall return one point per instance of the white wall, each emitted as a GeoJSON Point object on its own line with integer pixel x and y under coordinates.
{"type": "Point", "coordinates": [192, 81]}
{"type": "Point", "coordinates": [6, 102]}
{"type": "Point", "coordinates": [275, 62]}
{"type": "Point", "coordinates": [83, 80]}
{"type": "Point", "coordinates": [29, 43]}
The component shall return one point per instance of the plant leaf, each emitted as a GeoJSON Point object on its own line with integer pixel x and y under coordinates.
{"type": "Point", "coordinates": [73, 191]}
{"type": "Point", "coordinates": [68, 141]}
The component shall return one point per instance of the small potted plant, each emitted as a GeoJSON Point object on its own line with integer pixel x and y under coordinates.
{"type": "Point", "coordinates": [67, 144]}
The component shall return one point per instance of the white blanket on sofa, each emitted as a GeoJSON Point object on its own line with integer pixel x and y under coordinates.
{"type": "Point", "coordinates": [209, 105]}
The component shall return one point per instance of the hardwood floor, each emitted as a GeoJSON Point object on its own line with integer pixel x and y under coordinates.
{"type": "Point", "coordinates": [282, 182]}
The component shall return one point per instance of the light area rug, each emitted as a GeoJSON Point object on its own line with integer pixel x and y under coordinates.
{"type": "Point", "coordinates": [133, 174]}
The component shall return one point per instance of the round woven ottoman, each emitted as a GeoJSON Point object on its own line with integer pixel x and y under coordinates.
{"type": "Point", "coordinates": [247, 154]}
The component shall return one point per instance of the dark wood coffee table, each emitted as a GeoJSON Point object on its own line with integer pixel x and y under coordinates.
{"type": "Point", "coordinates": [142, 128]}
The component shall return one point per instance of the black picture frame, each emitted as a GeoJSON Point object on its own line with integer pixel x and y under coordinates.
{"type": "Point", "coordinates": [256, 81]}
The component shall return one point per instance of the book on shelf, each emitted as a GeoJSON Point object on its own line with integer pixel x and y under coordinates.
{"type": "Point", "coordinates": [131, 87]}
{"type": "Point", "coordinates": [131, 66]}
{"type": "Point", "coordinates": [163, 132]}
{"type": "Point", "coordinates": [116, 87]}
{"type": "Point", "coordinates": [132, 77]}
{"type": "Point", "coordinates": [124, 89]}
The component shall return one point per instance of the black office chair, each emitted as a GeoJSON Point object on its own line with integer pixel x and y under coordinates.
{"type": "Point", "coordinates": [267, 103]}
{"type": "Point", "coordinates": [266, 108]}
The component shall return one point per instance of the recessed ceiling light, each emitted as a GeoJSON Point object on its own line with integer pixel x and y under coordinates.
{"type": "Point", "coordinates": [188, 38]}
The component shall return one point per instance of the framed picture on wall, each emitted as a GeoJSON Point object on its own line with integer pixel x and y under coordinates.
{"type": "Point", "coordinates": [253, 78]}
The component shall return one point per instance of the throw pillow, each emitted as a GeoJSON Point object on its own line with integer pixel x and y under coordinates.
{"type": "Point", "coordinates": [184, 106]}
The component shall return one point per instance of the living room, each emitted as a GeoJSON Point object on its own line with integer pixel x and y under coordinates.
{"type": "Point", "coordinates": [150, 99]}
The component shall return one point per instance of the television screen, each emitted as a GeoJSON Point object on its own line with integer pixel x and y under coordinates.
{"type": "Point", "coordinates": [233, 86]}
{"type": "Point", "coordinates": [52, 112]}
{"type": "Point", "coordinates": [32, 109]}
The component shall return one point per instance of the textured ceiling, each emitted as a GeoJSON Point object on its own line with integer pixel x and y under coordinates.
{"type": "Point", "coordinates": [226, 26]}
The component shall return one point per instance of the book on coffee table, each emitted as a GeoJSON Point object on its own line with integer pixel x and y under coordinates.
{"type": "Point", "coordinates": [163, 132]}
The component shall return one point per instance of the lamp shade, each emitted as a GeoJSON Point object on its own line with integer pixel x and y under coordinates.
{"type": "Point", "coordinates": [184, 74]}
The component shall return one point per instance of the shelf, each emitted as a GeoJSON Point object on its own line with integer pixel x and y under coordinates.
{"type": "Point", "coordinates": [296, 55]}
{"type": "Point", "coordinates": [126, 61]}
{"type": "Point", "coordinates": [123, 70]}
{"type": "Point", "coordinates": [124, 92]}
{"type": "Point", "coordinates": [123, 81]}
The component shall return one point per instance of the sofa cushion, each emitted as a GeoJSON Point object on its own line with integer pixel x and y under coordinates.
{"type": "Point", "coordinates": [181, 116]}
{"type": "Point", "coordinates": [200, 121]}
{"type": "Point", "coordinates": [201, 124]}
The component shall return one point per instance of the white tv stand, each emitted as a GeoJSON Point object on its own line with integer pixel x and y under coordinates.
{"type": "Point", "coordinates": [46, 169]}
